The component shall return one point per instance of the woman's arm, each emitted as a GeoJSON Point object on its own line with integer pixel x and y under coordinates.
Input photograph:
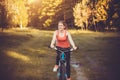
{"type": "Point", "coordinates": [53, 40]}
{"type": "Point", "coordinates": [71, 41]}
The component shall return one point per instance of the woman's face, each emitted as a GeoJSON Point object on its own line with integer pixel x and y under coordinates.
{"type": "Point", "coordinates": [61, 26]}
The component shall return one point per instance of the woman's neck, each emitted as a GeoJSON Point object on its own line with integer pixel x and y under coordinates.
{"type": "Point", "coordinates": [61, 31]}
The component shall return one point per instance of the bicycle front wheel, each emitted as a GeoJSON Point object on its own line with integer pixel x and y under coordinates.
{"type": "Point", "coordinates": [62, 72]}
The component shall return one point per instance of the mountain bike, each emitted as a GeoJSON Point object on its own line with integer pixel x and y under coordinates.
{"type": "Point", "coordinates": [61, 72]}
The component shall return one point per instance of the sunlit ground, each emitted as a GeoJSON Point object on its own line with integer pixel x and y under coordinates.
{"type": "Point", "coordinates": [24, 54]}
{"type": "Point", "coordinates": [18, 56]}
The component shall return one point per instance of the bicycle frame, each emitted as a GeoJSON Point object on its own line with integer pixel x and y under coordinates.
{"type": "Point", "coordinates": [62, 64]}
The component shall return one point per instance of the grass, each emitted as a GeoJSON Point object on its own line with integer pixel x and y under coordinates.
{"type": "Point", "coordinates": [24, 55]}
{"type": "Point", "coordinates": [99, 55]}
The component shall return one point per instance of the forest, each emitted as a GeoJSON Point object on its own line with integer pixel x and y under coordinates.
{"type": "Point", "coordinates": [96, 15]}
{"type": "Point", "coordinates": [26, 31]}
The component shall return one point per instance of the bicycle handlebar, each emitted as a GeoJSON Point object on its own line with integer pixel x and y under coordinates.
{"type": "Point", "coordinates": [71, 49]}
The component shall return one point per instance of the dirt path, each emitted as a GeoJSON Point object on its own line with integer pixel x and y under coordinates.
{"type": "Point", "coordinates": [25, 56]}
{"type": "Point", "coordinates": [74, 63]}
{"type": "Point", "coordinates": [78, 68]}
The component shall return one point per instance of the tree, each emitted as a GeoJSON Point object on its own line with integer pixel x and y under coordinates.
{"type": "Point", "coordinates": [50, 8]}
{"type": "Point", "coordinates": [43, 12]}
{"type": "Point", "coordinates": [17, 13]}
{"type": "Point", "coordinates": [46, 13]}
{"type": "Point", "coordinates": [3, 14]}
{"type": "Point", "coordinates": [99, 13]}
{"type": "Point", "coordinates": [86, 9]}
{"type": "Point", "coordinates": [81, 14]}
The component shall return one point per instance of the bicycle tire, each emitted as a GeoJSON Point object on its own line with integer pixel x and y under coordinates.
{"type": "Point", "coordinates": [62, 72]}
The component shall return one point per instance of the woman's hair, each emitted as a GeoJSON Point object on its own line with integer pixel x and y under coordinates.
{"type": "Point", "coordinates": [64, 23]}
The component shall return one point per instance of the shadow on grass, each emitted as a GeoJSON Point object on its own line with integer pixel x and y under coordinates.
{"type": "Point", "coordinates": [7, 42]}
{"type": "Point", "coordinates": [11, 41]}
{"type": "Point", "coordinates": [104, 63]}
{"type": "Point", "coordinates": [6, 69]}
{"type": "Point", "coordinates": [12, 64]}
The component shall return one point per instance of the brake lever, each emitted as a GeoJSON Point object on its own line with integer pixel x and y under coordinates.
{"type": "Point", "coordinates": [74, 49]}
{"type": "Point", "coordinates": [55, 48]}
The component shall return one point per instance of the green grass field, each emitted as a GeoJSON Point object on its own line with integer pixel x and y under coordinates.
{"type": "Point", "coordinates": [24, 55]}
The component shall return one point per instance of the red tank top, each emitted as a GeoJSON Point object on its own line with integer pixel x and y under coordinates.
{"type": "Point", "coordinates": [62, 41]}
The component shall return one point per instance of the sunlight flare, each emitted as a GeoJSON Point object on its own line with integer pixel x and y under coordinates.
{"type": "Point", "coordinates": [31, 1]}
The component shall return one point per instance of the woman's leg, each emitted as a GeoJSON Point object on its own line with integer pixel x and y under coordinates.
{"type": "Point", "coordinates": [57, 57]}
{"type": "Point", "coordinates": [68, 71]}
{"type": "Point", "coordinates": [57, 62]}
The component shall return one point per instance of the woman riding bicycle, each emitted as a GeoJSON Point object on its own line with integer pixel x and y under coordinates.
{"type": "Point", "coordinates": [62, 40]}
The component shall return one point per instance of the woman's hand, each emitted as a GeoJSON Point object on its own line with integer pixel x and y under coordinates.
{"type": "Point", "coordinates": [52, 46]}
{"type": "Point", "coordinates": [74, 47]}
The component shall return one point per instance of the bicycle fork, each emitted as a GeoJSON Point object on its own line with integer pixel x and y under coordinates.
{"type": "Point", "coordinates": [62, 67]}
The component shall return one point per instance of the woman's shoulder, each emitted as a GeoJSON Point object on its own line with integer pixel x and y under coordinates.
{"type": "Point", "coordinates": [67, 32]}
{"type": "Point", "coordinates": [56, 31]}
